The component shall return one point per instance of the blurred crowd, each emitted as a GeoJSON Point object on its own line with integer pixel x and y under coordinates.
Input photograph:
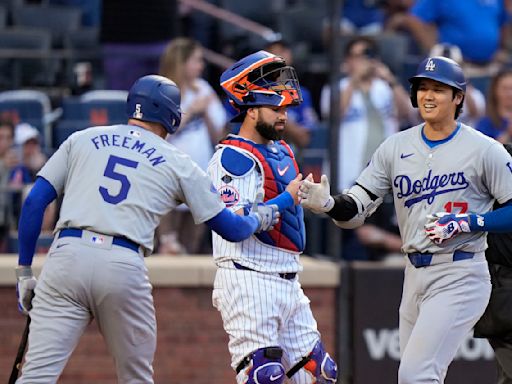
{"type": "Point", "coordinates": [382, 42]}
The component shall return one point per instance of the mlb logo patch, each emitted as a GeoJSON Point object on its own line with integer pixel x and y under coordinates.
{"type": "Point", "coordinates": [98, 239]}
{"type": "Point", "coordinates": [229, 195]}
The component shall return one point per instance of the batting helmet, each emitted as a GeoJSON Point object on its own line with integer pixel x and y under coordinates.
{"type": "Point", "coordinates": [157, 99]}
{"type": "Point", "coordinates": [440, 69]}
{"type": "Point", "coordinates": [261, 79]}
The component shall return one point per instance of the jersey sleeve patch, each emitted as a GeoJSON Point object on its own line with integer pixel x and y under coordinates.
{"type": "Point", "coordinates": [235, 162]}
{"type": "Point", "coordinates": [229, 195]}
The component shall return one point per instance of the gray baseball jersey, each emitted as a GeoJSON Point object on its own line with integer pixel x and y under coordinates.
{"type": "Point", "coordinates": [120, 180]}
{"type": "Point", "coordinates": [117, 183]}
{"type": "Point", "coordinates": [465, 174]}
{"type": "Point", "coordinates": [441, 302]}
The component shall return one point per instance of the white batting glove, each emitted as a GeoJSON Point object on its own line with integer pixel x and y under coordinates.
{"type": "Point", "coordinates": [26, 283]}
{"type": "Point", "coordinates": [267, 215]}
{"type": "Point", "coordinates": [442, 226]}
{"type": "Point", "coordinates": [316, 196]}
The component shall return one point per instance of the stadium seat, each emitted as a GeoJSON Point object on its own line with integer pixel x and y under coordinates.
{"type": "Point", "coordinates": [3, 16]}
{"type": "Point", "coordinates": [32, 66]}
{"type": "Point", "coordinates": [103, 107]}
{"type": "Point", "coordinates": [58, 20]}
{"type": "Point", "coordinates": [64, 128]}
{"type": "Point", "coordinates": [105, 95]}
{"type": "Point", "coordinates": [29, 106]}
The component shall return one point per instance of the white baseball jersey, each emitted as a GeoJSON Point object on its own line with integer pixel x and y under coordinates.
{"type": "Point", "coordinates": [120, 180]}
{"type": "Point", "coordinates": [259, 308]}
{"type": "Point", "coordinates": [242, 191]}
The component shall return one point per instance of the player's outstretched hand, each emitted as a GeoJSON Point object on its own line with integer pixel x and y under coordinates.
{"type": "Point", "coordinates": [26, 283]}
{"type": "Point", "coordinates": [293, 188]}
{"type": "Point", "coordinates": [267, 214]}
{"type": "Point", "coordinates": [316, 196]}
{"type": "Point", "coordinates": [442, 226]}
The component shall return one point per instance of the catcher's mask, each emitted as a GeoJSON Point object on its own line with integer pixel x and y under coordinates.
{"type": "Point", "coordinates": [260, 79]}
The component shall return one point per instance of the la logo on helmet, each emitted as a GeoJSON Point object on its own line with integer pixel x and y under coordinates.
{"type": "Point", "coordinates": [430, 66]}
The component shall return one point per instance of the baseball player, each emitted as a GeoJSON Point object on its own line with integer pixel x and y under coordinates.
{"type": "Point", "coordinates": [272, 331]}
{"type": "Point", "coordinates": [117, 182]}
{"type": "Point", "coordinates": [440, 173]}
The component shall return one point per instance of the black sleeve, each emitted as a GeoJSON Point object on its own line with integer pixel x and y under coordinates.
{"type": "Point", "coordinates": [345, 207]}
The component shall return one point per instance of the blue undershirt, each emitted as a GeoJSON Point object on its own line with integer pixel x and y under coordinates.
{"type": "Point", "coordinates": [233, 227]}
{"type": "Point", "coordinates": [31, 218]}
{"type": "Point", "coordinates": [435, 143]}
{"type": "Point", "coordinates": [499, 220]}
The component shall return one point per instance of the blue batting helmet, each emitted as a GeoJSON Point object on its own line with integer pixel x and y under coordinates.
{"type": "Point", "coordinates": [261, 79]}
{"type": "Point", "coordinates": [157, 99]}
{"type": "Point", "coordinates": [440, 69]}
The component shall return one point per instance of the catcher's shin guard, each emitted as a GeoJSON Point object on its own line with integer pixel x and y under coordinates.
{"type": "Point", "coordinates": [263, 366]}
{"type": "Point", "coordinates": [318, 364]}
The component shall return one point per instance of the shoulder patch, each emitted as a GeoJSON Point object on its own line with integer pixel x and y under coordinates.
{"type": "Point", "coordinates": [235, 162]}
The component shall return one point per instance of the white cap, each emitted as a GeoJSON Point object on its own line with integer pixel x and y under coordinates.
{"type": "Point", "coordinates": [450, 51]}
{"type": "Point", "coordinates": [25, 132]}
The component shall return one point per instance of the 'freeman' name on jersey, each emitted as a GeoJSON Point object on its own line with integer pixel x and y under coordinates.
{"type": "Point", "coordinates": [114, 140]}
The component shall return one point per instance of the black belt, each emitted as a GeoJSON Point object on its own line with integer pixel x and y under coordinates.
{"type": "Point", "coordinates": [425, 259]}
{"type": "Point", "coordinates": [287, 276]}
{"type": "Point", "coordinates": [116, 240]}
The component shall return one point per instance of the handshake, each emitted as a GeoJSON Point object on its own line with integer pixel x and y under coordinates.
{"type": "Point", "coordinates": [313, 196]}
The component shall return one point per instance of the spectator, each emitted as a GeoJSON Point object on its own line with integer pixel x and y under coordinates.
{"type": "Point", "coordinates": [27, 139]}
{"type": "Point", "coordinates": [475, 26]}
{"type": "Point", "coordinates": [362, 17]}
{"type": "Point", "coordinates": [301, 118]}
{"type": "Point", "coordinates": [373, 105]}
{"type": "Point", "coordinates": [202, 125]}
{"type": "Point", "coordinates": [8, 159]}
{"type": "Point", "coordinates": [474, 100]}
{"type": "Point", "coordinates": [32, 158]}
{"type": "Point", "coordinates": [395, 13]}
{"type": "Point", "coordinates": [131, 50]}
{"type": "Point", "coordinates": [497, 123]}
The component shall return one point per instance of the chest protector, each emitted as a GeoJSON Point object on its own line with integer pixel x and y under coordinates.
{"type": "Point", "coordinates": [278, 167]}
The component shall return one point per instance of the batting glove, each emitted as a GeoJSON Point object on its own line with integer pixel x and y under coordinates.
{"type": "Point", "coordinates": [442, 226]}
{"type": "Point", "coordinates": [316, 196]}
{"type": "Point", "coordinates": [267, 215]}
{"type": "Point", "coordinates": [26, 283]}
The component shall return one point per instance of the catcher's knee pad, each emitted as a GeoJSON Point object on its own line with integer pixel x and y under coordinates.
{"type": "Point", "coordinates": [263, 366]}
{"type": "Point", "coordinates": [318, 364]}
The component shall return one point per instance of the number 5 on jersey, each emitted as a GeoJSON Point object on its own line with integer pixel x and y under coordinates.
{"type": "Point", "coordinates": [111, 173]}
